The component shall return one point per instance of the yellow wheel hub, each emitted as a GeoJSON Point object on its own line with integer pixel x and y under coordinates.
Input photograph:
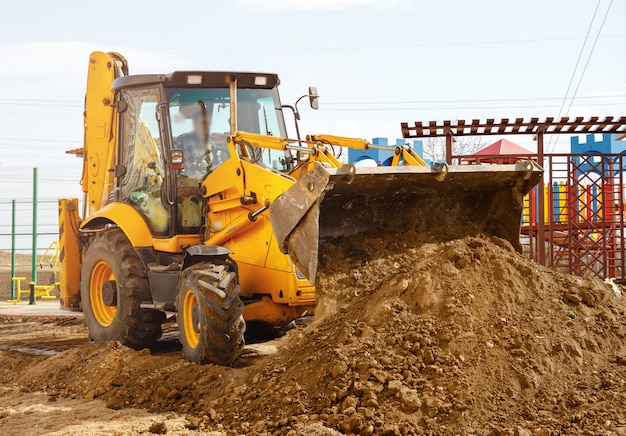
{"type": "Point", "coordinates": [100, 275]}
{"type": "Point", "coordinates": [190, 318]}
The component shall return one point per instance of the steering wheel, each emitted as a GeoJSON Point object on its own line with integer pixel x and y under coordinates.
{"type": "Point", "coordinates": [220, 155]}
{"type": "Point", "coordinates": [219, 149]}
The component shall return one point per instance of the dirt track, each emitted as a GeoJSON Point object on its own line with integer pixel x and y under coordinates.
{"type": "Point", "coordinates": [463, 337]}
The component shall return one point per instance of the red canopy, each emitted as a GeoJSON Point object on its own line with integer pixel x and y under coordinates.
{"type": "Point", "coordinates": [502, 147]}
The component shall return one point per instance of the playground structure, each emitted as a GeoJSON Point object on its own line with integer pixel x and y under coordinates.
{"type": "Point", "coordinates": [584, 205]}
{"type": "Point", "coordinates": [575, 222]}
{"type": "Point", "coordinates": [40, 291]}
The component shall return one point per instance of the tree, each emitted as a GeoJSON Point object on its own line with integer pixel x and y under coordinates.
{"type": "Point", "coordinates": [434, 149]}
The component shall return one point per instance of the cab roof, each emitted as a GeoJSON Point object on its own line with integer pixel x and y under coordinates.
{"type": "Point", "coordinates": [202, 79]}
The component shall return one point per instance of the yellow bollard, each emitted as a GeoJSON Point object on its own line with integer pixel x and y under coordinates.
{"type": "Point", "coordinates": [18, 289]}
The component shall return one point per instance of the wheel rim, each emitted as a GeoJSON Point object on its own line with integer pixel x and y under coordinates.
{"type": "Point", "coordinates": [191, 321]}
{"type": "Point", "coordinates": [101, 274]}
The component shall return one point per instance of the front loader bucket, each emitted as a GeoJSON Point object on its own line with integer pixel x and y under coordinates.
{"type": "Point", "coordinates": [441, 202]}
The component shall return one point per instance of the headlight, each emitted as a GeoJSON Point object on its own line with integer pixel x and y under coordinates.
{"type": "Point", "coordinates": [194, 79]}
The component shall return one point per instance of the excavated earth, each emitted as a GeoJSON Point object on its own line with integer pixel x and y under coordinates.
{"type": "Point", "coordinates": [463, 337]}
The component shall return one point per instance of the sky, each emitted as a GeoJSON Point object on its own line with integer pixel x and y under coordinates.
{"type": "Point", "coordinates": [375, 63]}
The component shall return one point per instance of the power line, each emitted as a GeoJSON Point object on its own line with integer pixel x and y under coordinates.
{"type": "Point", "coordinates": [36, 100]}
{"type": "Point", "coordinates": [37, 140]}
{"type": "Point", "coordinates": [379, 47]}
{"type": "Point", "coordinates": [361, 109]}
{"type": "Point", "coordinates": [606, 14]}
{"type": "Point", "coordinates": [580, 54]}
{"type": "Point", "coordinates": [39, 114]}
{"type": "Point", "coordinates": [432, 101]}
{"type": "Point", "coordinates": [470, 101]}
{"type": "Point", "coordinates": [24, 103]}
{"type": "Point", "coordinates": [308, 49]}
{"type": "Point", "coordinates": [585, 67]}
{"type": "Point", "coordinates": [21, 148]}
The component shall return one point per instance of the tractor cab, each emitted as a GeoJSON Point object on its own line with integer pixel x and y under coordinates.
{"type": "Point", "coordinates": [174, 131]}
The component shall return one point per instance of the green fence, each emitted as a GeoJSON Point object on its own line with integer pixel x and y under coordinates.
{"type": "Point", "coordinates": [29, 221]}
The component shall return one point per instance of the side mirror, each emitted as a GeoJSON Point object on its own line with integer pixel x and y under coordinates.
{"type": "Point", "coordinates": [176, 159]}
{"type": "Point", "coordinates": [121, 106]}
{"type": "Point", "coordinates": [314, 98]}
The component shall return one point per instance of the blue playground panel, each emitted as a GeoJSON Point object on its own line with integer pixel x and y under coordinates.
{"type": "Point", "coordinates": [608, 144]}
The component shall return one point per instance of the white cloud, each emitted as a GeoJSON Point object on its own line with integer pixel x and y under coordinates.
{"type": "Point", "coordinates": [43, 58]}
{"type": "Point", "coordinates": [308, 5]}
{"type": "Point", "coordinates": [72, 58]}
{"type": "Point", "coordinates": [350, 128]}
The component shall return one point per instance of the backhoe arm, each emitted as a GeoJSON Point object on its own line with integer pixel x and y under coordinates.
{"type": "Point", "coordinates": [318, 152]}
{"type": "Point", "coordinates": [405, 155]}
{"type": "Point", "coordinates": [341, 141]}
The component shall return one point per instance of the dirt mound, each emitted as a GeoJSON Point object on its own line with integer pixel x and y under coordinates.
{"type": "Point", "coordinates": [462, 337]}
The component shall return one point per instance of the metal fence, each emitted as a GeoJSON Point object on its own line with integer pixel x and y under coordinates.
{"type": "Point", "coordinates": [583, 215]}
{"type": "Point", "coordinates": [574, 221]}
{"type": "Point", "coordinates": [29, 221]}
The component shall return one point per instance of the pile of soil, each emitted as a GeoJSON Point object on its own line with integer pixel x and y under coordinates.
{"type": "Point", "coordinates": [461, 337]}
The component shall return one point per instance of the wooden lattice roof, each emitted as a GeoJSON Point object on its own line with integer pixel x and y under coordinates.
{"type": "Point", "coordinates": [518, 126]}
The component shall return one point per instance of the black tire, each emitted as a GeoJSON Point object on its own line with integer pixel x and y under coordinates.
{"type": "Point", "coordinates": [210, 313]}
{"type": "Point", "coordinates": [110, 261]}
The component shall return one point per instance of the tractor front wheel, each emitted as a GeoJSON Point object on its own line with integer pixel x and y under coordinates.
{"type": "Point", "coordinates": [210, 314]}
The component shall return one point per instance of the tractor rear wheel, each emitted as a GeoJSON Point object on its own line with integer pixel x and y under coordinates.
{"type": "Point", "coordinates": [113, 285]}
{"type": "Point", "coordinates": [210, 314]}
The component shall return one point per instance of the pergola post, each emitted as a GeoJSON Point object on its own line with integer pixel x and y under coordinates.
{"type": "Point", "coordinates": [541, 223]}
{"type": "Point", "coordinates": [448, 147]}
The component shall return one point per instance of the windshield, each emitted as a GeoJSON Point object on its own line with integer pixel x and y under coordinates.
{"type": "Point", "coordinates": [258, 111]}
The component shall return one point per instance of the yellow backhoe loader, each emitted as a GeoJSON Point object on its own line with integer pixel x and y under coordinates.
{"type": "Point", "coordinates": [196, 202]}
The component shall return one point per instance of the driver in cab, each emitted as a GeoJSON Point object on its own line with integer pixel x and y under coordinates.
{"type": "Point", "coordinates": [195, 144]}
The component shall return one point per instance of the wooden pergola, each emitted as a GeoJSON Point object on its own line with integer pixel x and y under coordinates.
{"type": "Point", "coordinates": [566, 125]}
{"type": "Point", "coordinates": [518, 126]}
